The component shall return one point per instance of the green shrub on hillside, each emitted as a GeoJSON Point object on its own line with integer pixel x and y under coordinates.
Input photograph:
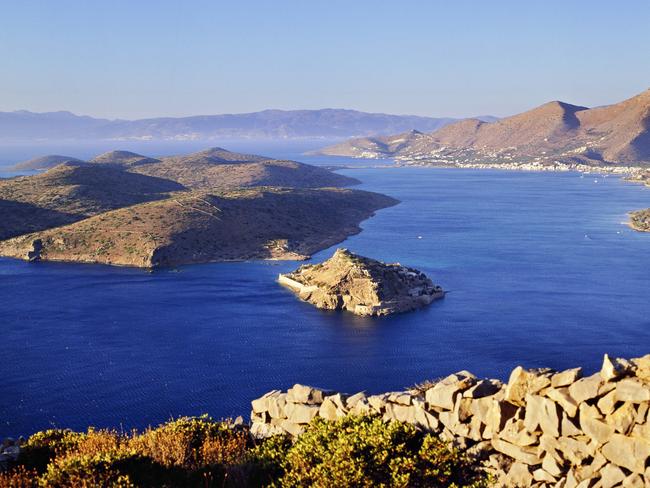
{"type": "Point", "coordinates": [368, 452]}
{"type": "Point", "coordinates": [199, 452]}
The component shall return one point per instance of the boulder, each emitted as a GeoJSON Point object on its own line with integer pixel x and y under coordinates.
{"type": "Point", "coordinates": [526, 455]}
{"type": "Point", "coordinates": [642, 367]}
{"type": "Point", "coordinates": [631, 390]}
{"type": "Point", "coordinates": [483, 388]}
{"type": "Point", "coordinates": [585, 388]}
{"type": "Point", "coordinates": [329, 410]}
{"type": "Point", "coordinates": [442, 395]}
{"type": "Point", "coordinates": [627, 452]}
{"type": "Point", "coordinates": [611, 475]}
{"type": "Point", "coordinates": [566, 377]}
{"type": "Point", "coordinates": [354, 399]}
{"type": "Point", "coordinates": [543, 413]}
{"type": "Point", "coordinates": [523, 381]}
{"type": "Point", "coordinates": [306, 394]}
{"type": "Point", "coordinates": [607, 403]}
{"type": "Point", "coordinates": [301, 414]}
{"type": "Point", "coordinates": [562, 397]}
{"type": "Point", "coordinates": [614, 368]}
{"type": "Point", "coordinates": [623, 418]}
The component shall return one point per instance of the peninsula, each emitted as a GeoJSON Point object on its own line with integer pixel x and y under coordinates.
{"type": "Point", "coordinates": [125, 209]}
{"type": "Point", "coordinates": [361, 285]}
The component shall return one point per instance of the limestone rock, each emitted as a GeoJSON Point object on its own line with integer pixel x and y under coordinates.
{"type": "Point", "coordinates": [585, 388]}
{"type": "Point", "coordinates": [523, 381]}
{"type": "Point", "coordinates": [305, 394]}
{"type": "Point", "coordinates": [518, 475]}
{"type": "Point", "coordinates": [631, 390]}
{"type": "Point", "coordinates": [611, 475]}
{"type": "Point", "coordinates": [361, 285]}
{"type": "Point", "coordinates": [623, 418]}
{"type": "Point", "coordinates": [642, 367]}
{"type": "Point", "coordinates": [301, 414]}
{"type": "Point", "coordinates": [542, 412]}
{"type": "Point", "coordinates": [627, 452]}
{"type": "Point", "coordinates": [483, 388]}
{"type": "Point", "coordinates": [566, 378]}
{"type": "Point", "coordinates": [614, 368]}
{"type": "Point", "coordinates": [442, 395]}
{"type": "Point", "coordinates": [525, 455]}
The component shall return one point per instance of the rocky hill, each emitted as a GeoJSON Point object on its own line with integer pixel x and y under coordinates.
{"type": "Point", "coordinates": [361, 285]}
{"type": "Point", "coordinates": [123, 158]}
{"type": "Point", "coordinates": [214, 168]}
{"type": "Point", "coordinates": [127, 209]}
{"type": "Point", "coordinates": [218, 168]}
{"type": "Point", "coordinates": [196, 227]}
{"type": "Point", "coordinates": [618, 134]}
{"type": "Point", "coordinates": [70, 192]}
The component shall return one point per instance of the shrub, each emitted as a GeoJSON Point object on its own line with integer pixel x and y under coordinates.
{"type": "Point", "coordinates": [192, 443]}
{"type": "Point", "coordinates": [84, 471]}
{"type": "Point", "coordinates": [43, 446]}
{"type": "Point", "coordinates": [19, 477]}
{"type": "Point", "coordinates": [199, 452]}
{"type": "Point", "coordinates": [368, 452]}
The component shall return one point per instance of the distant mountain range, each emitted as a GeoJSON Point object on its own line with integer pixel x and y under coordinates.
{"type": "Point", "coordinates": [553, 133]}
{"type": "Point", "coordinates": [271, 124]}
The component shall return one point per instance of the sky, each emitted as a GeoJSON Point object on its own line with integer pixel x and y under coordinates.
{"type": "Point", "coordinates": [145, 58]}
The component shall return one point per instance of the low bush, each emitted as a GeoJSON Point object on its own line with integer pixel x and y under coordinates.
{"type": "Point", "coordinates": [200, 452]}
{"type": "Point", "coordinates": [368, 452]}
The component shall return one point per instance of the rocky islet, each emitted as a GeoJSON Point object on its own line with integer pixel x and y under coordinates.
{"type": "Point", "coordinates": [361, 285]}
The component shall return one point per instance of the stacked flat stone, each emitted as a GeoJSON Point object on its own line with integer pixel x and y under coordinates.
{"type": "Point", "coordinates": [543, 428]}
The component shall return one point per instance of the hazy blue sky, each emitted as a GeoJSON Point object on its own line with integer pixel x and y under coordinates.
{"type": "Point", "coordinates": [141, 58]}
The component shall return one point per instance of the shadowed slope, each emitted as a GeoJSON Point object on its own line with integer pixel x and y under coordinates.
{"type": "Point", "coordinates": [260, 223]}
{"type": "Point", "coordinates": [74, 191]}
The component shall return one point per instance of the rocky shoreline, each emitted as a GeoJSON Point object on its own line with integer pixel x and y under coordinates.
{"type": "Point", "coordinates": [542, 428]}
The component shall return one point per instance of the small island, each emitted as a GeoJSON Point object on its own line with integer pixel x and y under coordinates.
{"type": "Point", "coordinates": [362, 285]}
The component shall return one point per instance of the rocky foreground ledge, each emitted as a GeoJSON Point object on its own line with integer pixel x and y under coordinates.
{"type": "Point", "coordinates": [361, 285]}
{"type": "Point", "coordinates": [543, 428]}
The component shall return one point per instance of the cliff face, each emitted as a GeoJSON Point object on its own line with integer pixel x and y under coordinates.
{"type": "Point", "coordinates": [543, 428]}
{"type": "Point", "coordinates": [361, 285]}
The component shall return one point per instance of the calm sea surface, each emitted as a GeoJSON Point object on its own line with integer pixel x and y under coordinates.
{"type": "Point", "coordinates": [540, 268]}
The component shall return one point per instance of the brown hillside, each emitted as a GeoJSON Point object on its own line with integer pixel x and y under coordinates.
{"type": "Point", "coordinates": [555, 131]}
{"type": "Point", "coordinates": [123, 158]}
{"type": "Point", "coordinates": [261, 223]}
{"type": "Point", "coordinates": [223, 169]}
{"type": "Point", "coordinates": [71, 192]}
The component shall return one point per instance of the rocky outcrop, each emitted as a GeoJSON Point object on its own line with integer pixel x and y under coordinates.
{"type": "Point", "coordinates": [640, 220]}
{"type": "Point", "coordinates": [361, 285]}
{"type": "Point", "coordinates": [541, 428]}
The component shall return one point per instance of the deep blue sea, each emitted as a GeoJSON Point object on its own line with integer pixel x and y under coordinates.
{"type": "Point", "coordinates": [540, 268]}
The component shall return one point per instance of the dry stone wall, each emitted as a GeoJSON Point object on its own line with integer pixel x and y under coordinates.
{"type": "Point", "coordinates": [543, 428]}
